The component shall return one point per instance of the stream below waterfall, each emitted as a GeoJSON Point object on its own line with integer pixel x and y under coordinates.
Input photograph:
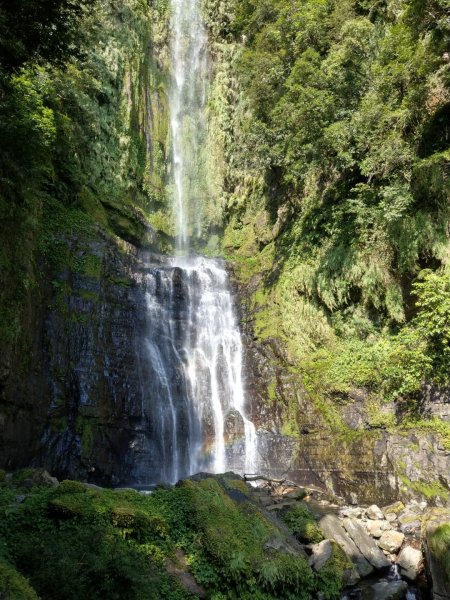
{"type": "Point", "coordinates": [376, 588]}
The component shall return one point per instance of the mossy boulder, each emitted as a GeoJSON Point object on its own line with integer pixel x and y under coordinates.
{"type": "Point", "coordinates": [436, 536]}
{"type": "Point", "coordinates": [73, 541]}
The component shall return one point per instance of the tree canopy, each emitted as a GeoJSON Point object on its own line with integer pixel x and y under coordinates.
{"type": "Point", "coordinates": [39, 29]}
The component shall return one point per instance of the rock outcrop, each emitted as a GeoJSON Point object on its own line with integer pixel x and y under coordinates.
{"type": "Point", "coordinates": [436, 536]}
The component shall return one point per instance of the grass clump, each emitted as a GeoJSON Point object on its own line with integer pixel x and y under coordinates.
{"type": "Point", "coordinates": [303, 524]}
{"type": "Point", "coordinates": [332, 575]}
{"type": "Point", "coordinates": [14, 586]}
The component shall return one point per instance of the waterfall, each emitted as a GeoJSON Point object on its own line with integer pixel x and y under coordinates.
{"type": "Point", "coordinates": [195, 402]}
{"type": "Point", "coordinates": [187, 116]}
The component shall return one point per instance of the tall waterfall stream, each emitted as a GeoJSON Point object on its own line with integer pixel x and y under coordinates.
{"type": "Point", "coordinates": [194, 362]}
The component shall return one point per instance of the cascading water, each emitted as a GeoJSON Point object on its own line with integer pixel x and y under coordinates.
{"type": "Point", "coordinates": [187, 116]}
{"type": "Point", "coordinates": [196, 403]}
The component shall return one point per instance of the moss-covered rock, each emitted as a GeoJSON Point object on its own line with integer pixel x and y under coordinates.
{"type": "Point", "coordinates": [436, 536]}
{"type": "Point", "coordinates": [75, 541]}
{"type": "Point", "coordinates": [14, 586]}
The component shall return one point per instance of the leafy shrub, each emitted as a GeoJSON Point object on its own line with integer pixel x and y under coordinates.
{"type": "Point", "coordinates": [303, 524]}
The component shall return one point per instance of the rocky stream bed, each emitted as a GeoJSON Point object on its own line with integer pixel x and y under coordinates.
{"type": "Point", "coordinates": [390, 547]}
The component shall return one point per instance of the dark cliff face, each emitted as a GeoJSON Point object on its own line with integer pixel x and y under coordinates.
{"type": "Point", "coordinates": [103, 389]}
{"type": "Point", "coordinates": [106, 397]}
{"type": "Point", "coordinates": [79, 400]}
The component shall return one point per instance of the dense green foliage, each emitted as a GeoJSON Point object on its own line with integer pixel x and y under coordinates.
{"type": "Point", "coordinates": [439, 544]}
{"type": "Point", "coordinates": [39, 30]}
{"type": "Point", "coordinates": [303, 525]}
{"type": "Point", "coordinates": [342, 132]}
{"type": "Point", "coordinates": [74, 542]}
{"type": "Point", "coordinates": [74, 143]}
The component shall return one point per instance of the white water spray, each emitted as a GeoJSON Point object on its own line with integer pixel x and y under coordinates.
{"type": "Point", "coordinates": [187, 116]}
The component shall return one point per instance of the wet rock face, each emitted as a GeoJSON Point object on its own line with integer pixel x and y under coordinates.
{"type": "Point", "coordinates": [94, 427]}
{"type": "Point", "coordinates": [111, 398]}
{"type": "Point", "coordinates": [79, 410]}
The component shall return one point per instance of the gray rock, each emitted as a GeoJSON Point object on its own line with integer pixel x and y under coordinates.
{"type": "Point", "coordinates": [321, 554]}
{"type": "Point", "coordinates": [265, 500]}
{"type": "Point", "coordinates": [389, 590]}
{"type": "Point", "coordinates": [92, 486]}
{"type": "Point", "coordinates": [435, 402]}
{"type": "Point", "coordinates": [179, 568]}
{"type": "Point", "coordinates": [412, 527]}
{"type": "Point", "coordinates": [366, 544]}
{"type": "Point", "coordinates": [352, 513]}
{"type": "Point", "coordinates": [410, 561]}
{"type": "Point", "coordinates": [391, 541]}
{"type": "Point", "coordinates": [391, 517]}
{"type": "Point", "coordinates": [40, 477]}
{"type": "Point", "coordinates": [407, 516]}
{"type": "Point", "coordinates": [281, 545]}
{"type": "Point", "coordinates": [375, 513]}
{"type": "Point", "coordinates": [333, 530]}
{"type": "Point", "coordinates": [274, 507]}
{"type": "Point", "coordinates": [297, 494]}
{"type": "Point", "coordinates": [376, 528]}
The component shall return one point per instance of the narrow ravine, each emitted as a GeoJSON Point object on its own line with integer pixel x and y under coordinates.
{"type": "Point", "coordinates": [194, 344]}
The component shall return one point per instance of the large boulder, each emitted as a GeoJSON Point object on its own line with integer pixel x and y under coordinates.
{"type": "Point", "coordinates": [410, 561]}
{"type": "Point", "coordinates": [374, 512]}
{"type": "Point", "coordinates": [376, 528]}
{"type": "Point", "coordinates": [333, 530]}
{"type": "Point", "coordinates": [391, 541]}
{"type": "Point", "coordinates": [389, 590]}
{"type": "Point", "coordinates": [436, 542]}
{"type": "Point", "coordinates": [321, 554]}
{"type": "Point", "coordinates": [395, 508]}
{"type": "Point", "coordinates": [366, 544]}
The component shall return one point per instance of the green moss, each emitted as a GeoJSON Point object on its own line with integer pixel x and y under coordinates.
{"type": "Point", "coordinates": [331, 578]}
{"type": "Point", "coordinates": [91, 266]}
{"type": "Point", "coordinates": [434, 426]}
{"type": "Point", "coordinates": [303, 524]}
{"type": "Point", "coordinates": [427, 489]}
{"type": "Point", "coordinates": [127, 538]}
{"type": "Point", "coordinates": [439, 544]}
{"type": "Point", "coordinates": [14, 586]}
{"type": "Point", "coordinates": [272, 391]}
{"type": "Point", "coordinates": [87, 428]}
{"type": "Point", "coordinates": [20, 476]}
{"type": "Point", "coordinates": [90, 296]}
{"type": "Point", "coordinates": [121, 281]}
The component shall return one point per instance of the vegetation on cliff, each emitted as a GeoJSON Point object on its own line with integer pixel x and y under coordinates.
{"type": "Point", "coordinates": [78, 156]}
{"type": "Point", "coordinates": [338, 186]}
